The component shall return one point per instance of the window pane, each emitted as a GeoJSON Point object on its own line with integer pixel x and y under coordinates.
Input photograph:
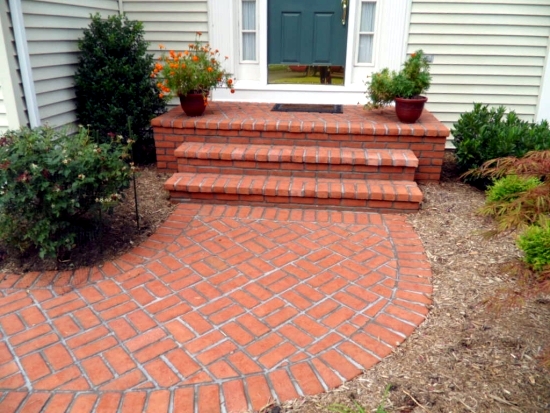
{"type": "Point", "coordinates": [249, 46]}
{"type": "Point", "coordinates": [365, 48]}
{"type": "Point", "coordinates": [249, 15]}
{"type": "Point", "coordinates": [368, 11]}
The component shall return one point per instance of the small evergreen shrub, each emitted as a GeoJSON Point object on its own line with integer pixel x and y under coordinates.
{"type": "Point", "coordinates": [484, 134]}
{"type": "Point", "coordinates": [535, 243]}
{"type": "Point", "coordinates": [49, 181]}
{"type": "Point", "coordinates": [508, 188]}
{"type": "Point", "coordinates": [113, 83]}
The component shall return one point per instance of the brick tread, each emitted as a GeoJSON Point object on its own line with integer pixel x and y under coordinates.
{"type": "Point", "coordinates": [282, 186]}
{"type": "Point", "coordinates": [297, 154]}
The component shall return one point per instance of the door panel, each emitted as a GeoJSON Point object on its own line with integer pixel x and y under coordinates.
{"type": "Point", "coordinates": [308, 32]}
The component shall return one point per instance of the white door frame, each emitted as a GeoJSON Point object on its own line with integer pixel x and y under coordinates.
{"type": "Point", "coordinates": [391, 34]}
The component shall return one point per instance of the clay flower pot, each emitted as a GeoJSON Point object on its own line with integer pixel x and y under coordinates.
{"type": "Point", "coordinates": [409, 110]}
{"type": "Point", "coordinates": [193, 104]}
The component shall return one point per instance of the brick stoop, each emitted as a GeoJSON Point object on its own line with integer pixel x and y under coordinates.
{"type": "Point", "coordinates": [244, 153]}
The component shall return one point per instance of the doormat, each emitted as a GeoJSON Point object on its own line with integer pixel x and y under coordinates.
{"type": "Point", "coordinates": [293, 107]}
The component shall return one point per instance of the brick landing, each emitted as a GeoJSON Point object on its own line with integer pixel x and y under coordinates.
{"type": "Point", "coordinates": [222, 310]}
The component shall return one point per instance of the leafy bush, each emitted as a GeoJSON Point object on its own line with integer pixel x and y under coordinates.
{"type": "Point", "coordinates": [531, 204]}
{"type": "Point", "coordinates": [113, 83]}
{"type": "Point", "coordinates": [535, 243]}
{"type": "Point", "coordinates": [49, 180]}
{"type": "Point", "coordinates": [484, 134]}
{"type": "Point", "coordinates": [508, 188]}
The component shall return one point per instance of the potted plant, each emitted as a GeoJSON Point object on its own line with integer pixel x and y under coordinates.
{"type": "Point", "coordinates": [404, 87]}
{"type": "Point", "coordinates": [191, 75]}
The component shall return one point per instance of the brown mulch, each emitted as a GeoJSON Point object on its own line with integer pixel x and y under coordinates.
{"type": "Point", "coordinates": [464, 358]}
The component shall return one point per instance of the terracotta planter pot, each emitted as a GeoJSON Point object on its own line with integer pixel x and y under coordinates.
{"type": "Point", "coordinates": [409, 110]}
{"type": "Point", "coordinates": [193, 104]}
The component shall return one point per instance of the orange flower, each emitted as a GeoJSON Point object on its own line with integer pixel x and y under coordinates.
{"type": "Point", "coordinates": [232, 90]}
{"type": "Point", "coordinates": [229, 81]}
{"type": "Point", "coordinates": [191, 46]}
{"type": "Point", "coordinates": [172, 73]}
{"type": "Point", "coordinates": [199, 33]}
{"type": "Point", "coordinates": [180, 54]}
{"type": "Point", "coordinates": [161, 95]}
{"type": "Point", "coordinates": [186, 53]}
{"type": "Point", "coordinates": [172, 54]}
{"type": "Point", "coordinates": [153, 75]}
{"type": "Point", "coordinates": [183, 66]}
{"type": "Point", "coordinates": [161, 46]}
{"type": "Point", "coordinates": [195, 58]}
{"type": "Point", "coordinates": [226, 57]}
{"type": "Point", "coordinates": [413, 55]}
{"type": "Point", "coordinates": [158, 66]}
{"type": "Point", "coordinates": [210, 69]}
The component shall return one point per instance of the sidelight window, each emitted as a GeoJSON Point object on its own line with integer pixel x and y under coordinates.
{"type": "Point", "coordinates": [366, 32]}
{"type": "Point", "coordinates": [249, 32]}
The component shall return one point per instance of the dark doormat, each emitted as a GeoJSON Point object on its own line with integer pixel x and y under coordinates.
{"type": "Point", "coordinates": [293, 107]}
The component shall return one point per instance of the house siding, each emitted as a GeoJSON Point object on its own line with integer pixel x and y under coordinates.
{"type": "Point", "coordinates": [3, 114]}
{"type": "Point", "coordinates": [170, 23]}
{"type": "Point", "coordinates": [53, 28]}
{"type": "Point", "coordinates": [485, 51]}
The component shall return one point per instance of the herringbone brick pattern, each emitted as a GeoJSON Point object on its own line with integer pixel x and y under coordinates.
{"type": "Point", "coordinates": [223, 309]}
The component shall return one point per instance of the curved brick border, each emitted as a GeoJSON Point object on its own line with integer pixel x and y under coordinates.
{"type": "Point", "coordinates": [223, 309]}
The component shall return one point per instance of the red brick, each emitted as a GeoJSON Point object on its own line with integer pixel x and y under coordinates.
{"type": "Point", "coordinates": [119, 360]}
{"type": "Point", "coordinates": [184, 400]}
{"type": "Point", "coordinates": [133, 402]}
{"type": "Point", "coordinates": [35, 366]}
{"type": "Point", "coordinates": [145, 339]}
{"type": "Point", "coordinates": [124, 382]}
{"type": "Point", "coordinates": [209, 399]}
{"type": "Point", "coordinates": [83, 403]}
{"type": "Point", "coordinates": [108, 402]}
{"type": "Point", "coordinates": [57, 379]}
{"type": "Point", "coordinates": [34, 403]}
{"type": "Point", "coordinates": [59, 402]}
{"type": "Point", "coordinates": [159, 401]}
{"type": "Point", "coordinates": [57, 356]}
{"type": "Point", "coordinates": [258, 392]}
{"type": "Point", "coordinates": [234, 396]}
{"type": "Point", "coordinates": [306, 379]}
{"type": "Point", "coordinates": [96, 370]}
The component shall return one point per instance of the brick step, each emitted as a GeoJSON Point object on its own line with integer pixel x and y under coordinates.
{"type": "Point", "coordinates": [299, 161]}
{"type": "Point", "coordinates": [371, 194]}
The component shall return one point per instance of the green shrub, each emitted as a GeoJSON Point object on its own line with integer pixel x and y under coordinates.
{"type": "Point", "coordinates": [484, 134]}
{"type": "Point", "coordinates": [49, 181]}
{"type": "Point", "coordinates": [535, 243]}
{"type": "Point", "coordinates": [113, 83]}
{"type": "Point", "coordinates": [508, 188]}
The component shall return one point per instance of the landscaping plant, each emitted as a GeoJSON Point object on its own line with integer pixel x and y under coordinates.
{"type": "Point", "coordinates": [410, 82]}
{"type": "Point", "coordinates": [113, 83]}
{"type": "Point", "coordinates": [488, 133]}
{"type": "Point", "coordinates": [196, 70]}
{"type": "Point", "coordinates": [50, 182]}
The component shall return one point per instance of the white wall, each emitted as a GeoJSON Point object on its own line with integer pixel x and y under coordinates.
{"type": "Point", "coordinates": [3, 114]}
{"type": "Point", "coordinates": [172, 23]}
{"type": "Point", "coordinates": [489, 51]}
{"type": "Point", "coordinates": [53, 28]}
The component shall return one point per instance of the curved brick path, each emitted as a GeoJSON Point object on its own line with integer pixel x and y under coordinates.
{"type": "Point", "coordinates": [222, 310]}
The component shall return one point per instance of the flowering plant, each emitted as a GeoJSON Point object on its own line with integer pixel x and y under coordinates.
{"type": "Point", "coordinates": [196, 70]}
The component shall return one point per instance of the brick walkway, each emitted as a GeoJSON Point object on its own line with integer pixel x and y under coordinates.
{"type": "Point", "coordinates": [222, 310]}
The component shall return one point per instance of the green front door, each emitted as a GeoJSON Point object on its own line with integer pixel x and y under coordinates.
{"type": "Point", "coordinates": [307, 32]}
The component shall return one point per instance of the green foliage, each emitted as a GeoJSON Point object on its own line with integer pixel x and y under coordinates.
{"type": "Point", "coordinates": [49, 180]}
{"type": "Point", "coordinates": [484, 134]}
{"type": "Point", "coordinates": [510, 187]}
{"type": "Point", "coordinates": [113, 83]}
{"type": "Point", "coordinates": [411, 81]}
{"type": "Point", "coordinates": [340, 408]}
{"type": "Point", "coordinates": [535, 244]}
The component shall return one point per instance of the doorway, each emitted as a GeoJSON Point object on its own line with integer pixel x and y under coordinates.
{"type": "Point", "coordinates": [307, 41]}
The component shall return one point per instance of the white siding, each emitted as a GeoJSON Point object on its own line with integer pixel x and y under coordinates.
{"type": "Point", "coordinates": [489, 51]}
{"type": "Point", "coordinates": [12, 103]}
{"type": "Point", "coordinates": [3, 114]}
{"type": "Point", "coordinates": [53, 28]}
{"type": "Point", "coordinates": [172, 23]}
